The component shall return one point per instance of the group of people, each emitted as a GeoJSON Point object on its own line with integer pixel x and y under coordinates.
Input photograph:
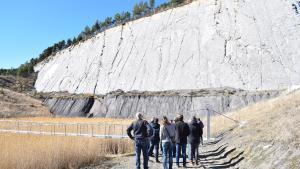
{"type": "Point", "coordinates": [171, 136]}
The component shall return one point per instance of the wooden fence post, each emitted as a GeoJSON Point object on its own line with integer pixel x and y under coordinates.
{"type": "Point", "coordinates": [105, 130]}
{"type": "Point", "coordinates": [122, 130]}
{"type": "Point", "coordinates": [80, 129]}
{"type": "Point", "coordinates": [92, 130]}
{"type": "Point", "coordinates": [65, 130]}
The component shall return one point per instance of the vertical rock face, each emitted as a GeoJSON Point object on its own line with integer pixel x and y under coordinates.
{"type": "Point", "coordinates": [158, 104]}
{"type": "Point", "coordinates": [69, 106]}
{"type": "Point", "coordinates": [247, 44]}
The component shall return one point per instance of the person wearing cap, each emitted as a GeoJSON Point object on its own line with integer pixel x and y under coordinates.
{"type": "Point", "coordinates": [181, 133]}
{"type": "Point", "coordinates": [142, 131]}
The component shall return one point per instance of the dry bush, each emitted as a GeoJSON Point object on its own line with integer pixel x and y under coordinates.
{"type": "Point", "coordinates": [45, 152]}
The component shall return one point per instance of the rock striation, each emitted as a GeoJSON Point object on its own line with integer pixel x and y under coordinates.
{"type": "Point", "coordinates": [188, 102]}
{"type": "Point", "coordinates": [69, 107]}
{"type": "Point", "coordinates": [246, 44]}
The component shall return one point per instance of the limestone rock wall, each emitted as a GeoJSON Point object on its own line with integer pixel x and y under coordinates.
{"type": "Point", "coordinates": [125, 105]}
{"type": "Point", "coordinates": [247, 44]}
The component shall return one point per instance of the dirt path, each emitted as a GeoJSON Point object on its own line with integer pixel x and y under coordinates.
{"type": "Point", "coordinates": [214, 155]}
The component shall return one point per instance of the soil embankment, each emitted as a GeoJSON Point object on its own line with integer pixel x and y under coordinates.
{"type": "Point", "coordinates": [13, 104]}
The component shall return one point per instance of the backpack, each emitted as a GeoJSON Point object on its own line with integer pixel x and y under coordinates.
{"type": "Point", "coordinates": [155, 133]}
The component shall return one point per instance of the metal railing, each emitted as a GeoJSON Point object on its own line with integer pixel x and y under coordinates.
{"type": "Point", "coordinates": [98, 130]}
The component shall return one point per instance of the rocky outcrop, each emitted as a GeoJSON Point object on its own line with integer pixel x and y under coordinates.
{"type": "Point", "coordinates": [207, 44]}
{"type": "Point", "coordinates": [70, 107]}
{"type": "Point", "coordinates": [188, 102]}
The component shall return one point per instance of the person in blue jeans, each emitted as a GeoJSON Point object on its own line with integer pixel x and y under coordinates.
{"type": "Point", "coordinates": [142, 131]}
{"type": "Point", "coordinates": [167, 134]}
{"type": "Point", "coordinates": [181, 133]}
{"type": "Point", "coordinates": [141, 145]}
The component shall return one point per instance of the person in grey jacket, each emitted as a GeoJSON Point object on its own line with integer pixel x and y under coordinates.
{"type": "Point", "coordinates": [167, 134]}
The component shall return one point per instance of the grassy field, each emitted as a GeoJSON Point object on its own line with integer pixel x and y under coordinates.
{"type": "Point", "coordinates": [50, 152]}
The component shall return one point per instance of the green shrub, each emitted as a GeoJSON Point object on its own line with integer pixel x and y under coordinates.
{"type": "Point", "coordinates": [1, 91]}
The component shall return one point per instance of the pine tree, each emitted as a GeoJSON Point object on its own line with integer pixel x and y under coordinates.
{"type": "Point", "coordinates": [108, 21]}
{"type": "Point", "coordinates": [87, 30]}
{"type": "Point", "coordinates": [144, 7]}
{"type": "Point", "coordinates": [152, 4]}
{"type": "Point", "coordinates": [74, 40]}
{"type": "Point", "coordinates": [118, 17]}
{"type": "Point", "coordinates": [61, 45]}
{"type": "Point", "coordinates": [69, 42]}
{"type": "Point", "coordinates": [127, 15]}
{"type": "Point", "coordinates": [176, 2]}
{"type": "Point", "coordinates": [79, 37]}
{"type": "Point", "coordinates": [96, 27]}
{"type": "Point", "coordinates": [136, 10]}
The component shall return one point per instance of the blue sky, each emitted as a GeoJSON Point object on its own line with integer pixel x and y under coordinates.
{"type": "Point", "coordinates": [27, 27]}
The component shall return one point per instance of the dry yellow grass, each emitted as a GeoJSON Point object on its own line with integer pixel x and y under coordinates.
{"type": "Point", "coordinates": [279, 118]}
{"type": "Point", "coordinates": [49, 152]}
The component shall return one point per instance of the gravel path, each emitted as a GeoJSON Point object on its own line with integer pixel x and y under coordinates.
{"type": "Point", "coordinates": [212, 155]}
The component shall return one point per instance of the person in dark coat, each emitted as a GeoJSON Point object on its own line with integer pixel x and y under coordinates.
{"type": "Point", "coordinates": [201, 130]}
{"type": "Point", "coordinates": [154, 140]}
{"type": "Point", "coordinates": [181, 132]}
{"type": "Point", "coordinates": [142, 131]}
{"type": "Point", "coordinates": [174, 144]}
{"type": "Point", "coordinates": [194, 140]}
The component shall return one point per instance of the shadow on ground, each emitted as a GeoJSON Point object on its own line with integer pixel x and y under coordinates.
{"type": "Point", "coordinates": [221, 156]}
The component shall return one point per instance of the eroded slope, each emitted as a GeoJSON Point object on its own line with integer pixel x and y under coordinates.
{"type": "Point", "coordinates": [13, 104]}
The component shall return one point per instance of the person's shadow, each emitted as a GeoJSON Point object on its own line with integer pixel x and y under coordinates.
{"type": "Point", "coordinates": [220, 157]}
{"type": "Point", "coordinates": [216, 156]}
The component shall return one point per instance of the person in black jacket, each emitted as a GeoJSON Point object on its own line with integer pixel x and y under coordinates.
{"type": "Point", "coordinates": [194, 140]}
{"type": "Point", "coordinates": [154, 140]}
{"type": "Point", "coordinates": [201, 130]}
{"type": "Point", "coordinates": [181, 133]}
{"type": "Point", "coordinates": [142, 130]}
{"type": "Point", "coordinates": [174, 144]}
